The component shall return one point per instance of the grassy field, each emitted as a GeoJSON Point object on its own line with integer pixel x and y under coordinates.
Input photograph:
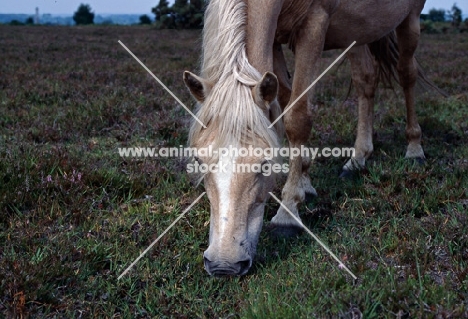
{"type": "Point", "coordinates": [74, 214]}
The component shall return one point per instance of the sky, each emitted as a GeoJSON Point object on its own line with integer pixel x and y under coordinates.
{"type": "Point", "coordinates": [139, 6]}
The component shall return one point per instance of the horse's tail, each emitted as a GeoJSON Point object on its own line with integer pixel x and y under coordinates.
{"type": "Point", "coordinates": [385, 51]}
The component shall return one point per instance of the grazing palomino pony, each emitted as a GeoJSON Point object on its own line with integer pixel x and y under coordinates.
{"type": "Point", "coordinates": [244, 86]}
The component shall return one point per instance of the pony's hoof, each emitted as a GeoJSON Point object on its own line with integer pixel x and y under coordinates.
{"type": "Point", "coordinates": [309, 196]}
{"type": "Point", "coordinates": [348, 174]}
{"type": "Point", "coordinates": [416, 160]}
{"type": "Point", "coordinates": [280, 231]}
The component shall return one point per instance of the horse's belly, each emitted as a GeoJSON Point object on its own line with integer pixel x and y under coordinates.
{"type": "Point", "coordinates": [366, 21]}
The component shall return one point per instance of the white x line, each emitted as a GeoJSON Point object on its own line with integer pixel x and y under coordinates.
{"type": "Point", "coordinates": [160, 236]}
{"type": "Point", "coordinates": [341, 265]}
{"type": "Point", "coordinates": [162, 84]}
{"type": "Point", "coordinates": [310, 86]}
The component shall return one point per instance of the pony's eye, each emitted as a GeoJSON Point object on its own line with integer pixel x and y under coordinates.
{"type": "Point", "coordinates": [266, 168]}
{"type": "Point", "coordinates": [197, 159]}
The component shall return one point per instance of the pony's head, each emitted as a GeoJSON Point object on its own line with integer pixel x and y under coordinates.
{"type": "Point", "coordinates": [236, 111]}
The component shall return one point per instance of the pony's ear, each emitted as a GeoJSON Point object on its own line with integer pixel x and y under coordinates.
{"type": "Point", "coordinates": [199, 87]}
{"type": "Point", "coordinates": [267, 89]}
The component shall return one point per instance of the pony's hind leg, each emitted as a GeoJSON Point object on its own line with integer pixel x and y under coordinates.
{"type": "Point", "coordinates": [408, 36]}
{"type": "Point", "coordinates": [365, 78]}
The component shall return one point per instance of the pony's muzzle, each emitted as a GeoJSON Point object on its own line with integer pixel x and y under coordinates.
{"type": "Point", "coordinates": [226, 268]}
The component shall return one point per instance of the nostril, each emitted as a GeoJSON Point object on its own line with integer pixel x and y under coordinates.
{"type": "Point", "coordinates": [206, 261]}
{"type": "Point", "coordinates": [208, 264]}
{"type": "Point", "coordinates": [244, 266]}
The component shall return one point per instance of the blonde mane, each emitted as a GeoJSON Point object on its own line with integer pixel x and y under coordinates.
{"type": "Point", "coordinates": [229, 112]}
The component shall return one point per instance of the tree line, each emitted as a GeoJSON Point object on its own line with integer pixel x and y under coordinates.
{"type": "Point", "coordinates": [182, 14]}
{"type": "Point", "coordinates": [453, 15]}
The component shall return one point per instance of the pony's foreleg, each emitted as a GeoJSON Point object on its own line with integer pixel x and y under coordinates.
{"type": "Point", "coordinates": [298, 120]}
{"type": "Point", "coordinates": [281, 71]}
{"type": "Point", "coordinates": [365, 79]}
{"type": "Point", "coordinates": [408, 36]}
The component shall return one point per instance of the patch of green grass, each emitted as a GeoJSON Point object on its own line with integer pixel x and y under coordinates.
{"type": "Point", "coordinates": [74, 214]}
